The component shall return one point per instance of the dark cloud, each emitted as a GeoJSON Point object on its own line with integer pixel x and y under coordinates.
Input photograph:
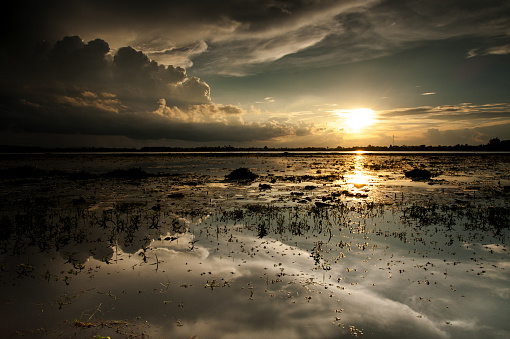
{"type": "Point", "coordinates": [405, 112]}
{"type": "Point", "coordinates": [90, 115]}
{"type": "Point", "coordinates": [71, 65]}
{"type": "Point", "coordinates": [354, 22]}
{"type": "Point", "coordinates": [49, 74]}
{"type": "Point", "coordinates": [305, 32]}
{"type": "Point", "coordinates": [384, 28]}
{"type": "Point", "coordinates": [79, 88]}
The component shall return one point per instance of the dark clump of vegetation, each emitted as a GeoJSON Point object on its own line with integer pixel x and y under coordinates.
{"type": "Point", "coordinates": [81, 175]}
{"type": "Point", "coordinates": [131, 173]}
{"type": "Point", "coordinates": [177, 195]}
{"type": "Point", "coordinates": [263, 187]}
{"type": "Point", "coordinates": [241, 174]}
{"type": "Point", "coordinates": [24, 172]}
{"type": "Point", "coordinates": [418, 174]}
{"type": "Point", "coordinates": [32, 172]}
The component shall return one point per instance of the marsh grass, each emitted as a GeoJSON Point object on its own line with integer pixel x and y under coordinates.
{"type": "Point", "coordinates": [349, 242]}
{"type": "Point", "coordinates": [41, 227]}
{"type": "Point", "coordinates": [491, 220]}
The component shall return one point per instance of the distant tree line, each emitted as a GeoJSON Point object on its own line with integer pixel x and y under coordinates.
{"type": "Point", "coordinates": [494, 145]}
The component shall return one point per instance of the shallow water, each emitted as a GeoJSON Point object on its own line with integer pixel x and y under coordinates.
{"type": "Point", "coordinates": [335, 246]}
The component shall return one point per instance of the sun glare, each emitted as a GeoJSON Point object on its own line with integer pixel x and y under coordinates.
{"type": "Point", "coordinates": [356, 119]}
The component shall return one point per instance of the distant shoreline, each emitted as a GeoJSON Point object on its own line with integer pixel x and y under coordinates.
{"type": "Point", "coordinates": [280, 154]}
{"type": "Point", "coordinates": [495, 145]}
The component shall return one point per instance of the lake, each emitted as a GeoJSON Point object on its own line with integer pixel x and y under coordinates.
{"type": "Point", "coordinates": [298, 245]}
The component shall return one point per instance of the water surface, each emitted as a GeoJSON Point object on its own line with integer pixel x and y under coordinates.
{"type": "Point", "coordinates": [317, 246]}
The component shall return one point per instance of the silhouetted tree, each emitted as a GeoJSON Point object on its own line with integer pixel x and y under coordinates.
{"type": "Point", "coordinates": [494, 143]}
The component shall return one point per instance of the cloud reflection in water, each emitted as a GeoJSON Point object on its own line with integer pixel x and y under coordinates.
{"type": "Point", "coordinates": [314, 273]}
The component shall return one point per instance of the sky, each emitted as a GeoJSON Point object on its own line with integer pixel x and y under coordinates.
{"type": "Point", "coordinates": [249, 73]}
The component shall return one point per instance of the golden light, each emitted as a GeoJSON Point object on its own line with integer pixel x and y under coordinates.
{"type": "Point", "coordinates": [358, 179]}
{"type": "Point", "coordinates": [356, 119]}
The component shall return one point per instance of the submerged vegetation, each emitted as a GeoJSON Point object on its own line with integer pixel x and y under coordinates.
{"type": "Point", "coordinates": [23, 172]}
{"type": "Point", "coordinates": [323, 242]}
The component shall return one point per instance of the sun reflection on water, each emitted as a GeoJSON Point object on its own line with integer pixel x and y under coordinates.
{"type": "Point", "coordinates": [359, 178]}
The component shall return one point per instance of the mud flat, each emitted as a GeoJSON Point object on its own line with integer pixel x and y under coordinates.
{"type": "Point", "coordinates": [309, 246]}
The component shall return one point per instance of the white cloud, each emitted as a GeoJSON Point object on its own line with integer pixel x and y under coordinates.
{"type": "Point", "coordinates": [266, 100]}
{"type": "Point", "coordinates": [177, 56]}
{"type": "Point", "coordinates": [494, 50]}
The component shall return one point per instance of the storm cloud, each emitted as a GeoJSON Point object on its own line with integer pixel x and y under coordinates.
{"type": "Point", "coordinates": [235, 36]}
{"type": "Point", "coordinates": [77, 87]}
{"type": "Point", "coordinates": [145, 69]}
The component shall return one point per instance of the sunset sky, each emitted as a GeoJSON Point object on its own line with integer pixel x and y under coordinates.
{"type": "Point", "coordinates": [255, 73]}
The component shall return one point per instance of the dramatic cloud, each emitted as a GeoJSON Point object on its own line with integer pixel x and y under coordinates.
{"type": "Point", "coordinates": [180, 56]}
{"type": "Point", "coordinates": [76, 87]}
{"type": "Point", "coordinates": [379, 54]}
{"type": "Point", "coordinates": [356, 31]}
{"type": "Point", "coordinates": [239, 35]}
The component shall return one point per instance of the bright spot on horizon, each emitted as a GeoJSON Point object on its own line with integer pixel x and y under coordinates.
{"type": "Point", "coordinates": [356, 119]}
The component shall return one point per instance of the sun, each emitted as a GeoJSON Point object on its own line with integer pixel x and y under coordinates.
{"type": "Point", "coordinates": [356, 119]}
